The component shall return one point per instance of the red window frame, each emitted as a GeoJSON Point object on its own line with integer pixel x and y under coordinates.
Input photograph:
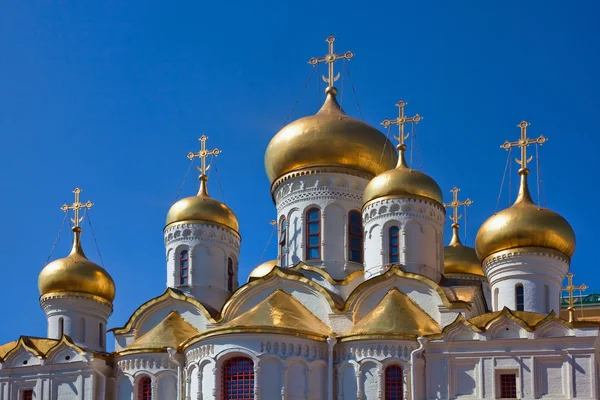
{"type": "Point", "coordinates": [394, 244]}
{"type": "Point", "coordinates": [184, 267]}
{"type": "Point", "coordinates": [394, 383]}
{"type": "Point", "coordinates": [282, 241]}
{"type": "Point", "coordinates": [508, 386]}
{"type": "Point", "coordinates": [230, 274]}
{"type": "Point", "coordinates": [355, 237]}
{"type": "Point", "coordinates": [238, 379]}
{"type": "Point", "coordinates": [27, 394]}
{"type": "Point", "coordinates": [313, 234]}
{"type": "Point", "coordinates": [145, 389]}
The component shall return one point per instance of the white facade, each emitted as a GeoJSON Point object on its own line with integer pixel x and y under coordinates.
{"type": "Point", "coordinates": [420, 225]}
{"type": "Point", "coordinates": [212, 252]}
{"type": "Point", "coordinates": [537, 273]}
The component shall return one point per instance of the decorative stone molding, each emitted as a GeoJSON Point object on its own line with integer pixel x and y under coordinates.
{"type": "Point", "coordinates": [204, 231]}
{"type": "Point", "coordinates": [144, 362]}
{"type": "Point", "coordinates": [199, 352]}
{"type": "Point", "coordinates": [285, 350]}
{"type": "Point", "coordinates": [405, 208]}
{"type": "Point", "coordinates": [358, 352]}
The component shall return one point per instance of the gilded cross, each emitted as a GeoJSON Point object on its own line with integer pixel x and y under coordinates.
{"type": "Point", "coordinates": [455, 203]}
{"type": "Point", "coordinates": [76, 206]}
{"type": "Point", "coordinates": [401, 121]}
{"type": "Point", "coordinates": [523, 142]}
{"type": "Point", "coordinates": [570, 289]}
{"type": "Point", "coordinates": [331, 58]}
{"type": "Point", "coordinates": [203, 154]}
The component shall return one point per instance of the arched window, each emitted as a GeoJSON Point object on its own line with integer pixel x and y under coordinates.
{"type": "Point", "coordinates": [496, 296]}
{"type": "Point", "coordinates": [230, 274]}
{"type": "Point", "coordinates": [519, 297]}
{"type": "Point", "coordinates": [61, 326]}
{"type": "Point", "coordinates": [282, 242]}
{"type": "Point", "coordinates": [238, 379]}
{"type": "Point", "coordinates": [313, 234]}
{"type": "Point", "coordinates": [546, 299]}
{"type": "Point", "coordinates": [145, 389]}
{"type": "Point", "coordinates": [394, 389]}
{"type": "Point", "coordinates": [101, 334]}
{"type": "Point", "coordinates": [184, 267]}
{"type": "Point", "coordinates": [355, 236]}
{"type": "Point", "coordinates": [82, 330]}
{"type": "Point", "coordinates": [394, 244]}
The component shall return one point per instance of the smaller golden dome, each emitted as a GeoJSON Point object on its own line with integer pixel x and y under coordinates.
{"type": "Point", "coordinates": [460, 259]}
{"type": "Point", "coordinates": [202, 207]}
{"type": "Point", "coordinates": [402, 182]}
{"type": "Point", "coordinates": [524, 224]}
{"type": "Point", "coordinates": [262, 270]}
{"type": "Point", "coordinates": [75, 273]}
{"type": "Point", "coordinates": [329, 139]}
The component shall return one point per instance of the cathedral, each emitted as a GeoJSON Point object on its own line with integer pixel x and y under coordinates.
{"type": "Point", "coordinates": [364, 301]}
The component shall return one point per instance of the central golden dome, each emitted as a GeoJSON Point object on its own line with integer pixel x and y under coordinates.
{"type": "Point", "coordinates": [330, 138]}
{"type": "Point", "coordinates": [403, 182]}
{"type": "Point", "coordinates": [524, 224]}
{"type": "Point", "coordinates": [202, 208]}
{"type": "Point", "coordinates": [75, 273]}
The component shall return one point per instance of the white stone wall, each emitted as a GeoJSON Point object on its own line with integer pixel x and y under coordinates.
{"type": "Point", "coordinates": [285, 367]}
{"type": "Point", "coordinates": [335, 195]}
{"type": "Point", "coordinates": [555, 367]}
{"type": "Point", "coordinates": [209, 246]}
{"type": "Point", "coordinates": [82, 318]}
{"type": "Point", "coordinates": [540, 272]}
{"type": "Point", "coordinates": [130, 369]}
{"type": "Point", "coordinates": [421, 225]}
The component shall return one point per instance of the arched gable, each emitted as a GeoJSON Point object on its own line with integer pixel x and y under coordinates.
{"type": "Point", "coordinates": [314, 297]}
{"type": "Point", "coordinates": [152, 312]}
{"type": "Point", "coordinates": [427, 294]}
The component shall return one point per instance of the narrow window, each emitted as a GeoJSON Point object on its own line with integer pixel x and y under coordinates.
{"type": "Point", "coordinates": [230, 274]}
{"type": "Point", "coordinates": [496, 296]}
{"type": "Point", "coordinates": [101, 334]}
{"type": "Point", "coordinates": [184, 263]}
{"type": "Point", "coordinates": [145, 389]}
{"type": "Point", "coordinates": [238, 379]}
{"type": "Point", "coordinates": [61, 326]}
{"type": "Point", "coordinates": [519, 297]}
{"type": "Point", "coordinates": [355, 237]}
{"type": "Point", "coordinates": [508, 386]}
{"type": "Point", "coordinates": [282, 242]}
{"type": "Point", "coordinates": [394, 389]}
{"type": "Point", "coordinates": [313, 234]}
{"type": "Point", "coordinates": [394, 246]}
{"type": "Point", "coordinates": [27, 394]}
{"type": "Point", "coordinates": [546, 299]}
{"type": "Point", "coordinates": [82, 330]}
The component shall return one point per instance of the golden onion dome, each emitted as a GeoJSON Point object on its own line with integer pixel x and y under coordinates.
{"type": "Point", "coordinates": [330, 138]}
{"type": "Point", "coordinates": [403, 182]}
{"type": "Point", "coordinates": [202, 208]}
{"type": "Point", "coordinates": [76, 274]}
{"type": "Point", "coordinates": [460, 259]}
{"type": "Point", "coordinates": [524, 224]}
{"type": "Point", "coordinates": [262, 270]}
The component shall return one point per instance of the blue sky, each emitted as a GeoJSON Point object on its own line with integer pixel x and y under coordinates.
{"type": "Point", "coordinates": [111, 96]}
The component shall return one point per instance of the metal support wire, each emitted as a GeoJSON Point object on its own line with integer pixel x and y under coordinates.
{"type": "Point", "coordinates": [503, 178]}
{"type": "Point", "coordinates": [87, 214]}
{"type": "Point", "coordinates": [218, 178]}
{"type": "Point", "coordinates": [274, 223]}
{"type": "Point", "coordinates": [389, 130]}
{"type": "Point", "coordinates": [299, 97]}
{"type": "Point", "coordinates": [355, 96]}
{"type": "Point", "coordinates": [184, 180]}
{"type": "Point", "coordinates": [56, 240]}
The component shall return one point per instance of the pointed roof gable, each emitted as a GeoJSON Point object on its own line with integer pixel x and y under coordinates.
{"type": "Point", "coordinates": [395, 316]}
{"type": "Point", "coordinates": [279, 312]}
{"type": "Point", "coordinates": [170, 332]}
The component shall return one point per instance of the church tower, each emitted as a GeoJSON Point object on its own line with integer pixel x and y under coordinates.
{"type": "Point", "coordinates": [525, 249]}
{"type": "Point", "coordinates": [77, 294]}
{"type": "Point", "coordinates": [318, 167]}
{"type": "Point", "coordinates": [202, 242]}
{"type": "Point", "coordinates": [403, 215]}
